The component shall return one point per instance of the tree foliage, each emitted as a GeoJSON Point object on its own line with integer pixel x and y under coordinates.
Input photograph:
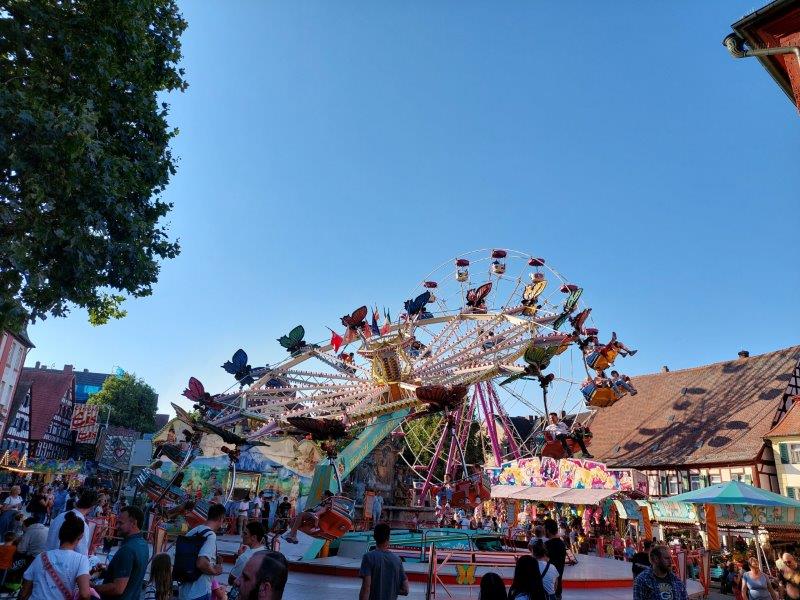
{"type": "Point", "coordinates": [133, 402]}
{"type": "Point", "coordinates": [84, 152]}
{"type": "Point", "coordinates": [422, 435]}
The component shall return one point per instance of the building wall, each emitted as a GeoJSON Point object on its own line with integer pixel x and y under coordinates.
{"type": "Point", "coordinates": [18, 430]}
{"type": "Point", "coordinates": [12, 357]}
{"type": "Point", "coordinates": [787, 464]}
{"type": "Point", "coordinates": [57, 440]}
{"type": "Point", "coordinates": [669, 482]}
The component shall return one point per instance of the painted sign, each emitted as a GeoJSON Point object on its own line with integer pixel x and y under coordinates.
{"type": "Point", "coordinates": [115, 452]}
{"type": "Point", "coordinates": [758, 515]}
{"type": "Point", "coordinates": [84, 422]}
{"type": "Point", "coordinates": [565, 473]}
{"type": "Point", "coordinates": [673, 512]}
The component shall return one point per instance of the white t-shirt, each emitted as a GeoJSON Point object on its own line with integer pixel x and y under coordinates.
{"type": "Point", "coordinates": [52, 534]}
{"type": "Point", "coordinates": [201, 587]}
{"type": "Point", "coordinates": [237, 569]}
{"type": "Point", "coordinates": [550, 578]}
{"type": "Point", "coordinates": [12, 502]}
{"type": "Point", "coordinates": [557, 428]}
{"type": "Point", "coordinates": [67, 563]}
{"type": "Point", "coordinates": [244, 506]}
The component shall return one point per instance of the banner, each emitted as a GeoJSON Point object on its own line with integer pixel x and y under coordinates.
{"type": "Point", "coordinates": [648, 527]}
{"type": "Point", "coordinates": [711, 527]}
{"type": "Point", "coordinates": [84, 415]}
{"type": "Point", "coordinates": [87, 435]}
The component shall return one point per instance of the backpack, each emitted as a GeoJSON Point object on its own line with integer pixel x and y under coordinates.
{"type": "Point", "coordinates": [187, 549]}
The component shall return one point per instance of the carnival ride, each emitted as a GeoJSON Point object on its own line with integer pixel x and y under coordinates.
{"type": "Point", "coordinates": [472, 339]}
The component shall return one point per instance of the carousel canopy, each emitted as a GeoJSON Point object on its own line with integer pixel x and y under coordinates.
{"type": "Point", "coordinates": [735, 492]}
{"type": "Point", "coordinates": [551, 494]}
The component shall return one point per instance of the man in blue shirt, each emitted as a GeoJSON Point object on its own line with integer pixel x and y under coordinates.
{"type": "Point", "coordinates": [659, 582]}
{"type": "Point", "coordinates": [125, 573]}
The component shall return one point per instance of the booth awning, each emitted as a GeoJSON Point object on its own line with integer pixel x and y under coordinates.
{"type": "Point", "coordinates": [506, 491]}
{"type": "Point", "coordinates": [628, 509]}
{"type": "Point", "coordinates": [551, 494]}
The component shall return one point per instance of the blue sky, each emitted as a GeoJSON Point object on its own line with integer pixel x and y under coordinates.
{"type": "Point", "coordinates": [332, 154]}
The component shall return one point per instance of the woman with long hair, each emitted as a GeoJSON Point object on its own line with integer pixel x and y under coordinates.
{"type": "Point", "coordinates": [527, 583]}
{"type": "Point", "coordinates": [492, 587]}
{"type": "Point", "coordinates": [160, 585]}
{"type": "Point", "coordinates": [56, 573]}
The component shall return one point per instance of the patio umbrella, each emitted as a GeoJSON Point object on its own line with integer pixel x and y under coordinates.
{"type": "Point", "coordinates": [736, 492]}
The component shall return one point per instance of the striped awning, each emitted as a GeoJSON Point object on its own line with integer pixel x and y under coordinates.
{"type": "Point", "coordinates": [551, 494]}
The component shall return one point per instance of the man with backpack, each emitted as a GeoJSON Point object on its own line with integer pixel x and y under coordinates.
{"type": "Point", "coordinates": [195, 557]}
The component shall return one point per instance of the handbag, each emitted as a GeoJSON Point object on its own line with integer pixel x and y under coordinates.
{"type": "Point", "coordinates": [48, 566]}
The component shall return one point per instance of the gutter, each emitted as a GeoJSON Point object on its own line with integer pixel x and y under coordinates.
{"type": "Point", "coordinates": [735, 44]}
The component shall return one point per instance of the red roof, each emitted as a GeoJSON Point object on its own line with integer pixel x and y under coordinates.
{"type": "Point", "coordinates": [716, 413]}
{"type": "Point", "coordinates": [789, 425]}
{"type": "Point", "coordinates": [49, 387]}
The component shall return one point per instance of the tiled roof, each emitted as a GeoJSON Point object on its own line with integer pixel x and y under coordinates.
{"type": "Point", "coordinates": [161, 420]}
{"type": "Point", "coordinates": [716, 413]}
{"type": "Point", "coordinates": [49, 386]}
{"type": "Point", "coordinates": [789, 425]}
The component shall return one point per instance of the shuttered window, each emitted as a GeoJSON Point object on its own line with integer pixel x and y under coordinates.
{"type": "Point", "coordinates": [784, 451]}
{"type": "Point", "coordinates": [790, 491]}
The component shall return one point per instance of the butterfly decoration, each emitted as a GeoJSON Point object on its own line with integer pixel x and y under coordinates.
{"type": "Point", "coordinates": [537, 359]}
{"type": "Point", "coordinates": [572, 300]}
{"type": "Point", "coordinates": [355, 320]}
{"type": "Point", "coordinates": [441, 397]}
{"type": "Point", "coordinates": [319, 429]}
{"type": "Point", "coordinates": [355, 323]}
{"type": "Point", "coordinates": [294, 342]}
{"type": "Point", "coordinates": [417, 305]}
{"type": "Point", "coordinates": [579, 320]}
{"type": "Point", "coordinates": [239, 368]}
{"type": "Point", "coordinates": [198, 394]}
{"type": "Point", "coordinates": [532, 292]}
{"type": "Point", "coordinates": [476, 298]}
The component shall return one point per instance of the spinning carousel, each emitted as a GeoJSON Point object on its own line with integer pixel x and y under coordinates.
{"type": "Point", "coordinates": [486, 333]}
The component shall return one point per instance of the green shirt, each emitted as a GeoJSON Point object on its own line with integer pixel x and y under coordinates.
{"type": "Point", "coordinates": [130, 561]}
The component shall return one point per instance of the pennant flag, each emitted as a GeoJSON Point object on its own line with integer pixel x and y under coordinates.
{"type": "Point", "coordinates": [387, 322]}
{"type": "Point", "coordinates": [366, 330]}
{"type": "Point", "coordinates": [375, 329]}
{"type": "Point", "coordinates": [336, 340]}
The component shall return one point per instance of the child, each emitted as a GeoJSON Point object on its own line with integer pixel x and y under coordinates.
{"type": "Point", "coordinates": [622, 381]}
{"type": "Point", "coordinates": [160, 585]}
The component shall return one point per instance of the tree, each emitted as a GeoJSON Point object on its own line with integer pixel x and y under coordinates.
{"type": "Point", "coordinates": [84, 152]}
{"type": "Point", "coordinates": [422, 435]}
{"type": "Point", "coordinates": [133, 403]}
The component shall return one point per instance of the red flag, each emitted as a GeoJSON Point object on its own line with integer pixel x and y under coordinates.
{"type": "Point", "coordinates": [366, 330]}
{"type": "Point", "coordinates": [336, 340]}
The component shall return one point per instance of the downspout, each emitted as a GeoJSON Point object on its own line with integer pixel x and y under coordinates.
{"type": "Point", "coordinates": [735, 45]}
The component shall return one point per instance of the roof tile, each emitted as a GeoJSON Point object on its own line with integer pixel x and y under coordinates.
{"type": "Point", "coordinates": [716, 413]}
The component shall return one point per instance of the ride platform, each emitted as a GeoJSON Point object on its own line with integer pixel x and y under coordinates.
{"type": "Point", "coordinates": [456, 555]}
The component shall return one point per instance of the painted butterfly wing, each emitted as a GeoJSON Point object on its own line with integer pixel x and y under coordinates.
{"type": "Point", "coordinates": [356, 319]}
{"type": "Point", "coordinates": [195, 390]}
{"type": "Point", "coordinates": [319, 428]}
{"type": "Point", "coordinates": [416, 305]}
{"type": "Point", "coordinates": [293, 341]}
{"type": "Point", "coordinates": [477, 296]}
{"type": "Point", "coordinates": [562, 318]}
{"type": "Point", "coordinates": [572, 300]}
{"type": "Point", "coordinates": [237, 363]}
{"type": "Point", "coordinates": [532, 292]}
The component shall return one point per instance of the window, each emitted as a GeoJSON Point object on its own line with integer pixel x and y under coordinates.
{"type": "Point", "coordinates": [695, 483]}
{"type": "Point", "coordinates": [673, 485]}
{"type": "Point", "coordinates": [715, 479]}
{"type": "Point", "coordinates": [794, 453]}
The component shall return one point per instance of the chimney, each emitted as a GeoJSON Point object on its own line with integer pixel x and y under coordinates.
{"type": "Point", "coordinates": [86, 370]}
{"type": "Point", "coordinates": [38, 364]}
{"type": "Point", "coordinates": [67, 368]}
{"type": "Point", "coordinates": [665, 369]}
{"type": "Point", "coordinates": [744, 354]}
